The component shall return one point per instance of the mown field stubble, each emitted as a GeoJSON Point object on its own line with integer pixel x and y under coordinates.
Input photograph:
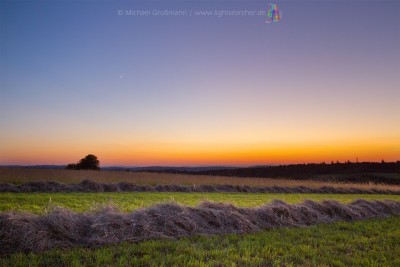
{"type": "Point", "coordinates": [38, 203]}
{"type": "Point", "coordinates": [24, 175]}
{"type": "Point", "coordinates": [373, 242]}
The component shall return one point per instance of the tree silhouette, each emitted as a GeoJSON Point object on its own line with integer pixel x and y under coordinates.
{"type": "Point", "coordinates": [71, 166]}
{"type": "Point", "coordinates": [90, 162]}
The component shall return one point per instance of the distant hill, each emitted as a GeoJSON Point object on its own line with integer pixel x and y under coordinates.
{"type": "Point", "coordinates": [359, 172]}
{"type": "Point", "coordinates": [364, 172]}
{"type": "Point", "coordinates": [169, 169]}
{"type": "Point", "coordinates": [35, 166]}
{"type": "Point", "coordinates": [135, 169]}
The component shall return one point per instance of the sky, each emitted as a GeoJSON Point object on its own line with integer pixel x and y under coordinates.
{"type": "Point", "coordinates": [211, 88]}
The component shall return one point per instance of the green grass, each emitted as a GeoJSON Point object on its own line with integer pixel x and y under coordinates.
{"type": "Point", "coordinates": [363, 243]}
{"type": "Point", "coordinates": [38, 202]}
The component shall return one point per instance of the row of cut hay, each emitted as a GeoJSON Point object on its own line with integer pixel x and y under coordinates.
{"type": "Point", "coordinates": [62, 228]}
{"type": "Point", "coordinates": [25, 175]}
{"type": "Point", "coordinates": [90, 186]}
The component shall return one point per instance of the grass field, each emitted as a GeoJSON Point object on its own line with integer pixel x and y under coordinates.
{"type": "Point", "coordinates": [38, 202]}
{"type": "Point", "coordinates": [362, 243]}
{"type": "Point", "coordinates": [24, 175]}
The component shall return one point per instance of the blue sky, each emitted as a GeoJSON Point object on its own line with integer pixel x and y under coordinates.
{"type": "Point", "coordinates": [78, 78]}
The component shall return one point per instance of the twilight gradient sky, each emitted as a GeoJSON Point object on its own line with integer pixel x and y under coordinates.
{"type": "Point", "coordinates": [322, 84]}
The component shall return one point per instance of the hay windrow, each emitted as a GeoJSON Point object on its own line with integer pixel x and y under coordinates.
{"type": "Point", "coordinates": [62, 228]}
{"type": "Point", "coordinates": [91, 186]}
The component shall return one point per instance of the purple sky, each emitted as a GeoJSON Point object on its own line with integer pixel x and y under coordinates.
{"type": "Point", "coordinates": [78, 78]}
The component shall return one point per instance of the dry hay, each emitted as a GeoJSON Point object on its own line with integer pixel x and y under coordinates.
{"type": "Point", "coordinates": [62, 228]}
{"type": "Point", "coordinates": [24, 175]}
{"type": "Point", "coordinates": [91, 186]}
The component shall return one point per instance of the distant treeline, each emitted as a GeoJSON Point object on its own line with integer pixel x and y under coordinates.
{"type": "Point", "coordinates": [344, 172]}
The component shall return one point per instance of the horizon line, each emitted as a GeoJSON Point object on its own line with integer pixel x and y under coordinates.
{"type": "Point", "coordinates": [205, 166]}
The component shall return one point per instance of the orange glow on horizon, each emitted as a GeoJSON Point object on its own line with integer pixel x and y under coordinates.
{"type": "Point", "coordinates": [183, 154]}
